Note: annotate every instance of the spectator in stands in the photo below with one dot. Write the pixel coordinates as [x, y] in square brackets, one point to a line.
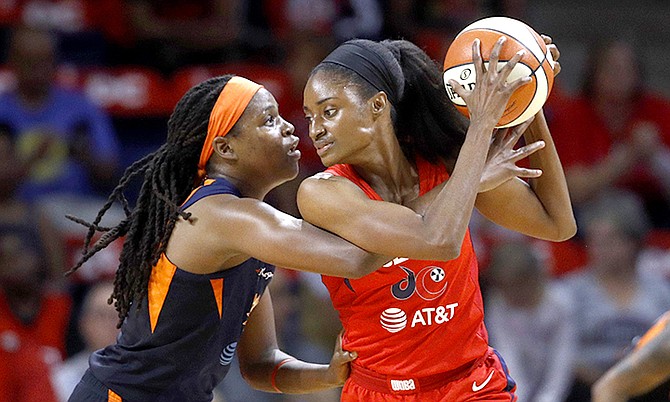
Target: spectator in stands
[432, 24]
[530, 322]
[613, 301]
[172, 34]
[339, 19]
[97, 325]
[69, 143]
[34, 309]
[89, 32]
[616, 133]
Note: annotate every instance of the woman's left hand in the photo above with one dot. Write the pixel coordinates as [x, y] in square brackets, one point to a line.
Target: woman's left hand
[502, 157]
[338, 370]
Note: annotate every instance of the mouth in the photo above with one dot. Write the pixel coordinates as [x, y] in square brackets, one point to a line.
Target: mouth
[293, 150]
[322, 145]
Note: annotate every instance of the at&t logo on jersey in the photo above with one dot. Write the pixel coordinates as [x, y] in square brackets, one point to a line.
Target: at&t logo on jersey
[227, 354]
[395, 320]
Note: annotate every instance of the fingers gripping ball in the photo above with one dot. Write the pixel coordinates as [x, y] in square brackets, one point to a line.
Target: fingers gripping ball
[536, 63]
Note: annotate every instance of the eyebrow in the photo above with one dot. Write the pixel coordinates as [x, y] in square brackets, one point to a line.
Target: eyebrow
[325, 99]
[319, 102]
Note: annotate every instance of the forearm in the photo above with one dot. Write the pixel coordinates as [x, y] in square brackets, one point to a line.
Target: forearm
[292, 377]
[449, 213]
[551, 187]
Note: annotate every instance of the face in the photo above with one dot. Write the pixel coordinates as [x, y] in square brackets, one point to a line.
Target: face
[618, 74]
[33, 60]
[20, 265]
[607, 246]
[340, 122]
[98, 320]
[264, 142]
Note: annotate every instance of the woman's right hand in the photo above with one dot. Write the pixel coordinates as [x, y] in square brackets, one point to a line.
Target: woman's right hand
[502, 157]
[488, 99]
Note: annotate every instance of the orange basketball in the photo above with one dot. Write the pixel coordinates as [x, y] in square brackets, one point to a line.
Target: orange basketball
[536, 63]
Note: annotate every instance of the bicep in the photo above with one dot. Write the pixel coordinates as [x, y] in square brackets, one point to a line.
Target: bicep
[270, 235]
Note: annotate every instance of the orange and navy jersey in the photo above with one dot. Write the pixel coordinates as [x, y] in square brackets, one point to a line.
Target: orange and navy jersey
[179, 344]
[412, 317]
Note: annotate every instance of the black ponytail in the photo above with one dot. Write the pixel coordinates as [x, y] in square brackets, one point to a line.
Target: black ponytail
[427, 122]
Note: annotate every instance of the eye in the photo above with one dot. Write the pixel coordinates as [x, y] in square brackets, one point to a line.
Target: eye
[330, 112]
[309, 118]
[270, 120]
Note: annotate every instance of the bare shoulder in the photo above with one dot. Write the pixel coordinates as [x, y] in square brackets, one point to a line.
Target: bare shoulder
[325, 185]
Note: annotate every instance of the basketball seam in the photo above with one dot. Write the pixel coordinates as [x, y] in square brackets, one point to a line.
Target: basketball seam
[513, 37]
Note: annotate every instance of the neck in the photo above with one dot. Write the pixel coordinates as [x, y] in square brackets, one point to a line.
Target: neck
[256, 188]
[386, 169]
[31, 98]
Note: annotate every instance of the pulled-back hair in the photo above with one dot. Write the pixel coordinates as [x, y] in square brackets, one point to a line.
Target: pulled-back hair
[425, 121]
[169, 177]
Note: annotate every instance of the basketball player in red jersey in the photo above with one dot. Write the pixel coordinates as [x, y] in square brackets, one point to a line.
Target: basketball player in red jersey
[404, 173]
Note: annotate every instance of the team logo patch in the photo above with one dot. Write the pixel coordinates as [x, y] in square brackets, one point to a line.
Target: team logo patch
[428, 284]
[227, 354]
[393, 320]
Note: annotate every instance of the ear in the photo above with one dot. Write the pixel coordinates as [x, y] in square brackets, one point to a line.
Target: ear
[379, 104]
[222, 147]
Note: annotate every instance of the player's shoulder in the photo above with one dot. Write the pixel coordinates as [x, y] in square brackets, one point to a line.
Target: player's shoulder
[326, 185]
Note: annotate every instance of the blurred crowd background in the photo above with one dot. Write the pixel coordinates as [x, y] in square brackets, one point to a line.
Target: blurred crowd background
[87, 86]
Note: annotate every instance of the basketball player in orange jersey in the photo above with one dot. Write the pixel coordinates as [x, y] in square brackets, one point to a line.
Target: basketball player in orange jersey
[405, 170]
[200, 249]
[647, 367]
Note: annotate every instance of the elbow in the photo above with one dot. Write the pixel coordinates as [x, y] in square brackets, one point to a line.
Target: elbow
[249, 376]
[365, 266]
[446, 251]
[565, 231]
[451, 252]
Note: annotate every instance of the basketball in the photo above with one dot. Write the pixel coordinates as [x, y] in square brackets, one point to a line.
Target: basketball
[536, 63]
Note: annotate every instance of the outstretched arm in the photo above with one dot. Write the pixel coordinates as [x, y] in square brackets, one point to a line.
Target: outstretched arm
[641, 371]
[267, 368]
[233, 229]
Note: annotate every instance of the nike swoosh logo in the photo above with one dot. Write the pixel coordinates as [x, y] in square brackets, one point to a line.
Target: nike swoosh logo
[476, 387]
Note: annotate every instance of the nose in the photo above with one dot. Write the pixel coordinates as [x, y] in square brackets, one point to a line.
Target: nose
[288, 128]
[315, 129]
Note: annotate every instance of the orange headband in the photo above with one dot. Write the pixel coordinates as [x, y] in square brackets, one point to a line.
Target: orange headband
[228, 108]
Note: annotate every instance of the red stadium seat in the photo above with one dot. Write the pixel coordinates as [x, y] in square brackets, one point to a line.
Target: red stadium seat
[128, 91]
[274, 79]
[9, 12]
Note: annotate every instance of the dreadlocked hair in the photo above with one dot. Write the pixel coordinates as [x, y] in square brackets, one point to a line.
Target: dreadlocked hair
[169, 176]
[425, 121]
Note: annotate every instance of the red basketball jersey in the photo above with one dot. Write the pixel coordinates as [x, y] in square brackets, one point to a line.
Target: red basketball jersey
[412, 317]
